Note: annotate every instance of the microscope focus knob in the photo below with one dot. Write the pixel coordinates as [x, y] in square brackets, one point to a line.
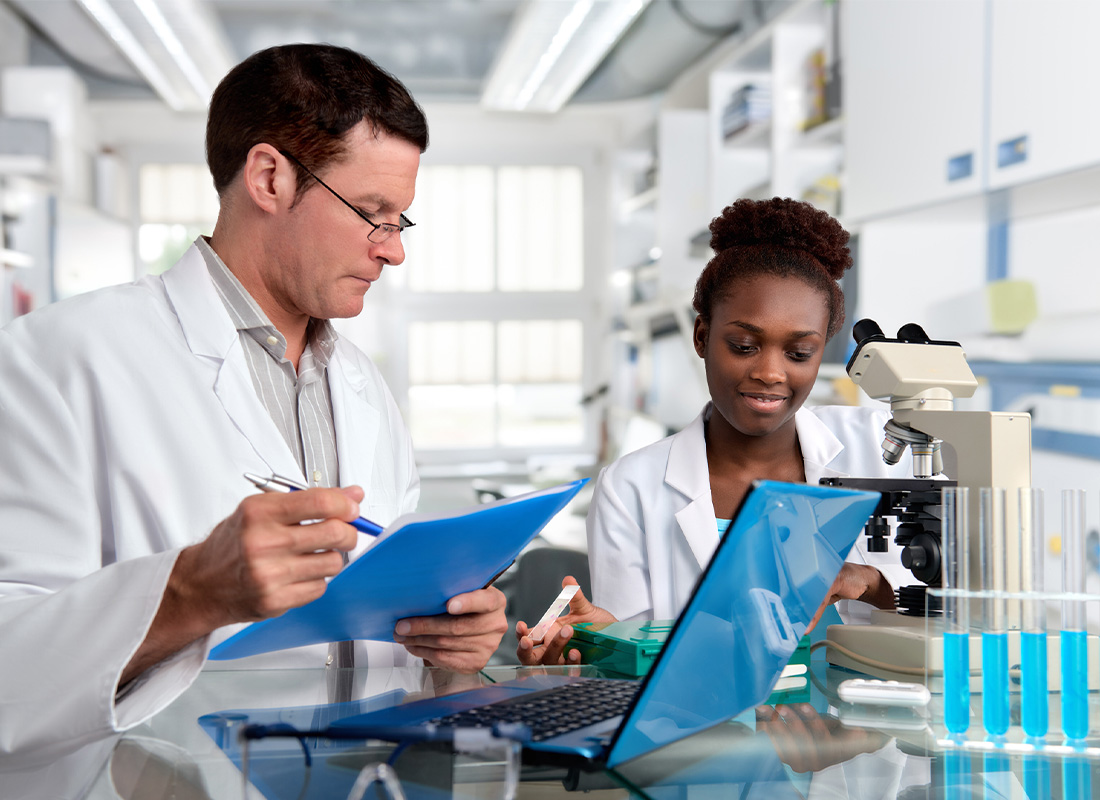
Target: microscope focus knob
[922, 557]
[914, 557]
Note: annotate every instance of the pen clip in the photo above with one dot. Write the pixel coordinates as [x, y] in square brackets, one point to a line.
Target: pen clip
[274, 480]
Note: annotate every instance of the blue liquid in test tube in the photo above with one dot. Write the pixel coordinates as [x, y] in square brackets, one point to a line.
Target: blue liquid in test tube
[1034, 697]
[995, 698]
[956, 681]
[956, 631]
[1033, 689]
[1075, 692]
[1075, 687]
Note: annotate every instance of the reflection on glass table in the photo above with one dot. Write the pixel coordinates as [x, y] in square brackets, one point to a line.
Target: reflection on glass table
[801, 748]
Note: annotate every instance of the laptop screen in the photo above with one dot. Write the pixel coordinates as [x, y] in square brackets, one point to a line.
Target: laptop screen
[750, 607]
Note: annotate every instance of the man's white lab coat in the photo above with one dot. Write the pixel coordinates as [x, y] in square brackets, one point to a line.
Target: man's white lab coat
[651, 525]
[128, 418]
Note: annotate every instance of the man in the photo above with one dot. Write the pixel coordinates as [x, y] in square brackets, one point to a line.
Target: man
[129, 416]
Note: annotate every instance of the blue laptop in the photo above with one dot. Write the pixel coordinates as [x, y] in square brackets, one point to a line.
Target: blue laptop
[745, 617]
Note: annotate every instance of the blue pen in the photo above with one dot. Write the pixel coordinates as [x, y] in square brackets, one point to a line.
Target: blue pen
[279, 484]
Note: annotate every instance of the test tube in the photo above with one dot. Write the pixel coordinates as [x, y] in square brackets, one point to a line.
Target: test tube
[1033, 634]
[954, 536]
[991, 527]
[1075, 659]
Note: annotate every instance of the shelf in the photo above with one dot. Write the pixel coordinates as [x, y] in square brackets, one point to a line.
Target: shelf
[825, 134]
[13, 258]
[755, 136]
[639, 201]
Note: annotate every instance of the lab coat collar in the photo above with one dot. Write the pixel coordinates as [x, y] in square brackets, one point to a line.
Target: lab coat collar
[687, 473]
[210, 334]
[196, 303]
[819, 445]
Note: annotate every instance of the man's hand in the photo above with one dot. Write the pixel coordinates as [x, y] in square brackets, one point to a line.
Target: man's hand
[463, 639]
[550, 651]
[857, 582]
[257, 563]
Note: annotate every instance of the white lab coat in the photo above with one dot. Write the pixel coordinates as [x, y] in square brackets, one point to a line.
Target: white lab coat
[128, 417]
[652, 528]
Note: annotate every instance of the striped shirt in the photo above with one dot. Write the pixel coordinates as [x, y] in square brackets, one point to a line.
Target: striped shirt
[299, 403]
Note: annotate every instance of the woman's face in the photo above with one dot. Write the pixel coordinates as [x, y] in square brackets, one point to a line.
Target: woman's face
[762, 350]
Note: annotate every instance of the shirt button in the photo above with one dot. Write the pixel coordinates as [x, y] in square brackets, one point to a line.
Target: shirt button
[316, 476]
[272, 340]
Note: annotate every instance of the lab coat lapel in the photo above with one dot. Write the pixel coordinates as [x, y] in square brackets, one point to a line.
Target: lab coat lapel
[211, 336]
[356, 421]
[688, 474]
[819, 445]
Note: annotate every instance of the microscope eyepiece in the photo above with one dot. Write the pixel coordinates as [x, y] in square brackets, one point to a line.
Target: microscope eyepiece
[866, 329]
[914, 333]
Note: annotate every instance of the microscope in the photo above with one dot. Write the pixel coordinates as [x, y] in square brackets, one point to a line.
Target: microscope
[921, 379]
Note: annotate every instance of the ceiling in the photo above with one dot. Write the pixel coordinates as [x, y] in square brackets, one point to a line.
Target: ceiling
[443, 50]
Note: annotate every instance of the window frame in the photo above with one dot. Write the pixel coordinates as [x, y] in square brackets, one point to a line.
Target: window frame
[408, 307]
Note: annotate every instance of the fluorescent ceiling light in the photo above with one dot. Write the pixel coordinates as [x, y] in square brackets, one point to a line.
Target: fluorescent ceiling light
[178, 46]
[553, 47]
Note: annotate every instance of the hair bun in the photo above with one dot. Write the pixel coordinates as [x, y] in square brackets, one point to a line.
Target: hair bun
[782, 222]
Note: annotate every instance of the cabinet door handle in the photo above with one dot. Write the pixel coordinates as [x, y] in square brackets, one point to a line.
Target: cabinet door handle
[1012, 151]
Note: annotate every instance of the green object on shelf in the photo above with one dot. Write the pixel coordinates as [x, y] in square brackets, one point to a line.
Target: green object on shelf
[624, 648]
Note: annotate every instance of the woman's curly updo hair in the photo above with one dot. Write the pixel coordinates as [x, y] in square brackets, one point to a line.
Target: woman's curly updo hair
[781, 237]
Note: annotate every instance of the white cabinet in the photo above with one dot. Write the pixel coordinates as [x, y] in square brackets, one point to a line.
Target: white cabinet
[1044, 83]
[949, 98]
[913, 102]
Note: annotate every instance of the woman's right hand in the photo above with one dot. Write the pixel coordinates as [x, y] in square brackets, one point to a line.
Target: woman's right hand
[551, 650]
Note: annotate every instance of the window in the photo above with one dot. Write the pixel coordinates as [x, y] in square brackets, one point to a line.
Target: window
[496, 338]
[178, 203]
[510, 229]
[512, 383]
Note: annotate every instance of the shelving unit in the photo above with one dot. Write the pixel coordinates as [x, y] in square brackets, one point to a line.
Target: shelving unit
[780, 157]
[700, 170]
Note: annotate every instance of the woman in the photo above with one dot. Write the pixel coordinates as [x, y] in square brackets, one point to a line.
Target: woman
[767, 303]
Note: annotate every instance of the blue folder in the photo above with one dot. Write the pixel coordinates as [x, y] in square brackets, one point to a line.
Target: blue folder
[418, 563]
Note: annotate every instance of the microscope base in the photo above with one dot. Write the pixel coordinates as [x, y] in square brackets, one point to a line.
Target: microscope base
[914, 643]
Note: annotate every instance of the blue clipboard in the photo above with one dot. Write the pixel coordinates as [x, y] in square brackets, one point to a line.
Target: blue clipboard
[418, 563]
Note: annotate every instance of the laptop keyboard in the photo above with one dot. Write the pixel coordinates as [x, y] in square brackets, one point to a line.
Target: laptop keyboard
[553, 712]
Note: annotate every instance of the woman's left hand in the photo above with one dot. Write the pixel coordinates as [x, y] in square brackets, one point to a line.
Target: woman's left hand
[857, 582]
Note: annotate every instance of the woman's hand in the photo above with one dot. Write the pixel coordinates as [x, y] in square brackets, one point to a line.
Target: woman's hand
[809, 742]
[550, 651]
[857, 582]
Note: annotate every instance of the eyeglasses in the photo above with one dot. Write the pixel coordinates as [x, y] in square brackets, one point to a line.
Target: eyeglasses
[382, 231]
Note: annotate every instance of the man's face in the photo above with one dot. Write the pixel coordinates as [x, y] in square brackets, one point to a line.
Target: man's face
[325, 261]
[762, 350]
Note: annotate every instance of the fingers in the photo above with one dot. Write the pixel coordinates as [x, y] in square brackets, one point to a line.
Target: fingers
[480, 601]
[817, 616]
[309, 504]
[261, 560]
[549, 652]
[462, 640]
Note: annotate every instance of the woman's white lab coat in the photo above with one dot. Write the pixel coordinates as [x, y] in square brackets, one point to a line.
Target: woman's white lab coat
[129, 417]
[652, 528]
